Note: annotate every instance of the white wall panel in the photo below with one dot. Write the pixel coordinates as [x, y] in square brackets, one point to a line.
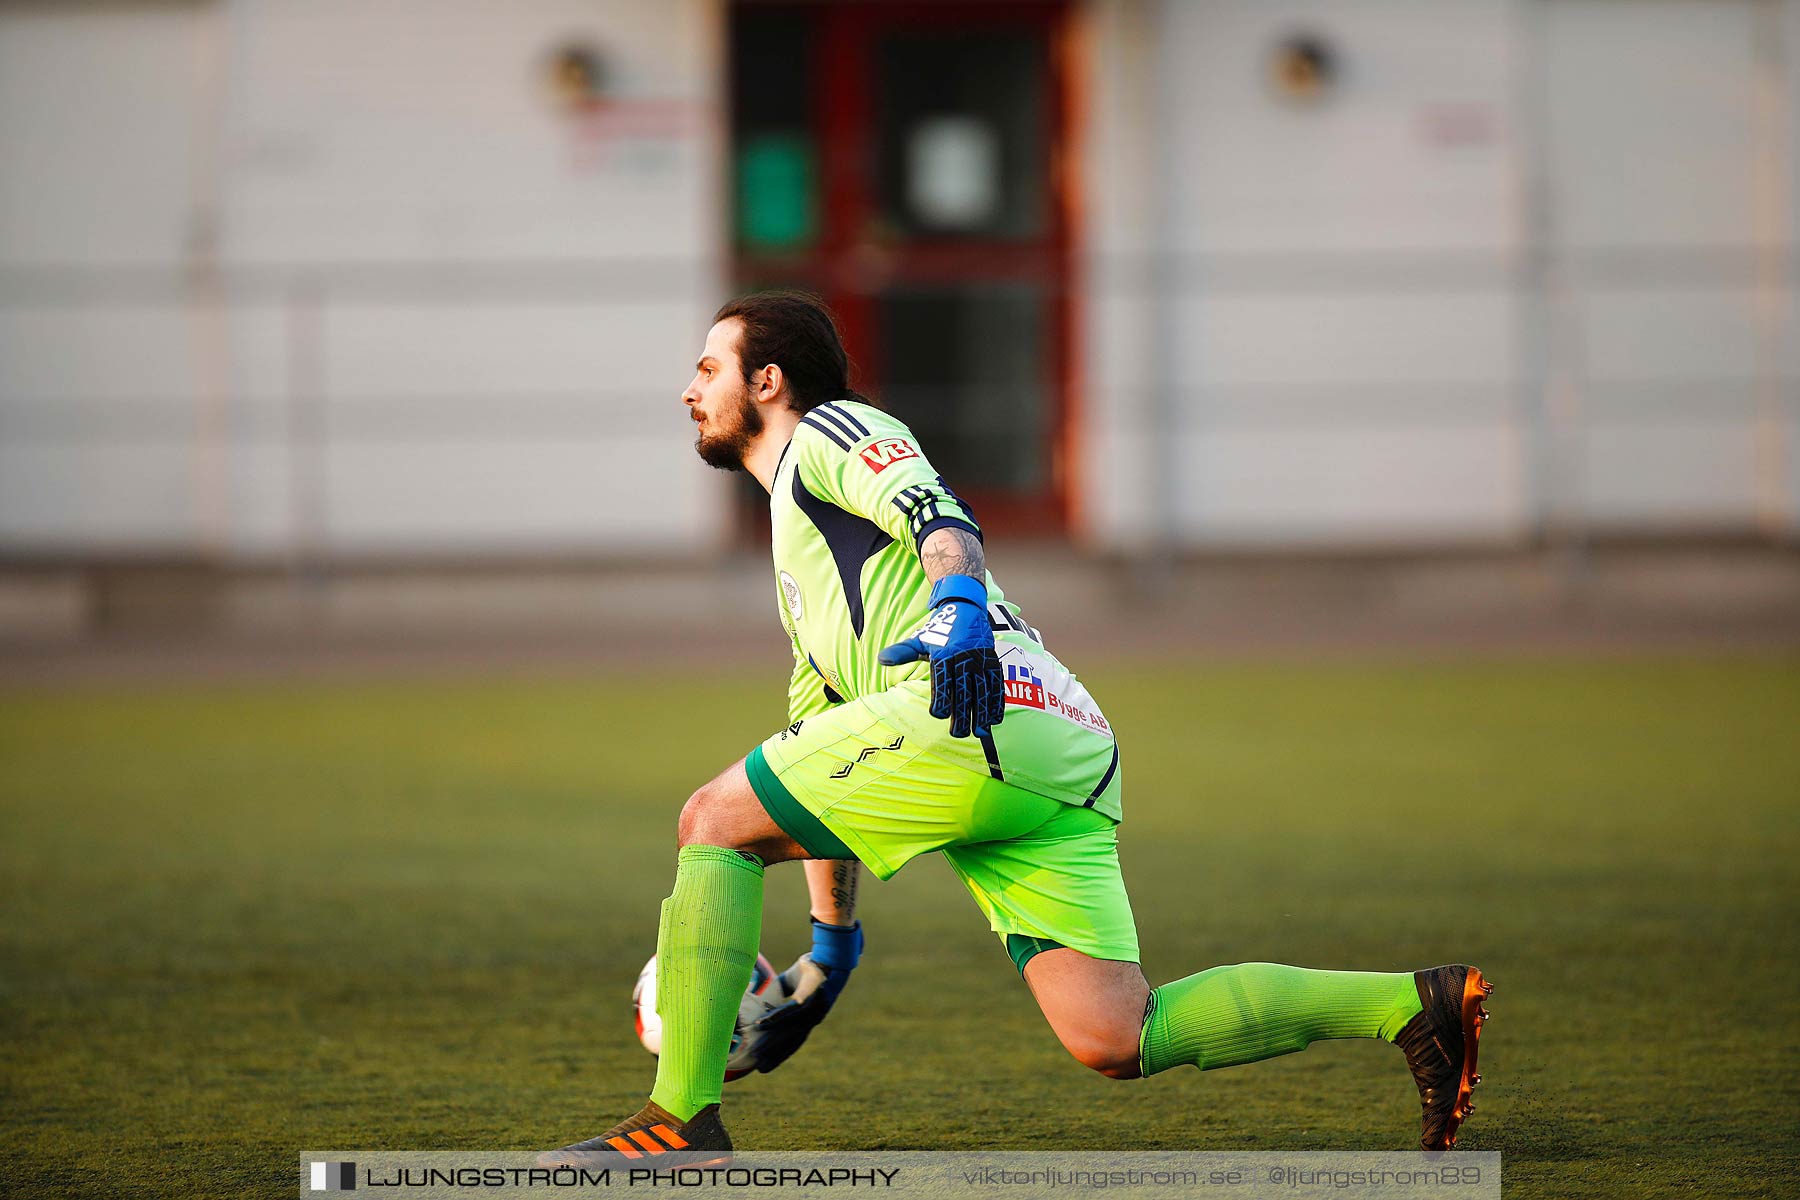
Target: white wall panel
[1349, 278]
[1346, 331]
[1652, 136]
[472, 412]
[265, 522]
[1365, 168]
[1353, 340]
[415, 245]
[113, 352]
[100, 131]
[262, 458]
[638, 494]
[421, 130]
[456, 297]
[1697, 472]
[1350, 486]
[608, 349]
[98, 422]
[1653, 335]
[112, 495]
[1117, 491]
[1660, 221]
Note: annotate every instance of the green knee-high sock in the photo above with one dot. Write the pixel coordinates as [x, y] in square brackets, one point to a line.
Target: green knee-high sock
[1232, 1015]
[705, 948]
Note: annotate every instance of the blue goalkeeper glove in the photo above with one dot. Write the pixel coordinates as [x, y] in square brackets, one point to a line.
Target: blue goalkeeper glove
[814, 982]
[966, 684]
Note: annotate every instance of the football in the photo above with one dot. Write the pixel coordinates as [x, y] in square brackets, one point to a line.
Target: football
[764, 993]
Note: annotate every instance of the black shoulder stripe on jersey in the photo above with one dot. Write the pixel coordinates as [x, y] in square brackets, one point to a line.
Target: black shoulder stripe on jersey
[919, 497]
[839, 419]
[846, 417]
[946, 522]
[919, 504]
[813, 420]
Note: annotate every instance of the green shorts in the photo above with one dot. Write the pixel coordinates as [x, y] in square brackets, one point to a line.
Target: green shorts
[845, 785]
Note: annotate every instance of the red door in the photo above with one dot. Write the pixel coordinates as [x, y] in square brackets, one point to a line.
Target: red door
[909, 162]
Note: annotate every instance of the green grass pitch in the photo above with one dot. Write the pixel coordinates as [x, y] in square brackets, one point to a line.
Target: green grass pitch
[240, 920]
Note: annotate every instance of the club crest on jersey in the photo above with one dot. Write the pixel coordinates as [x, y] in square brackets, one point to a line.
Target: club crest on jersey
[879, 456]
[790, 592]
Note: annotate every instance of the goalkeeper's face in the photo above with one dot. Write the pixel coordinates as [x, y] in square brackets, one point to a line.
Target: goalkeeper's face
[721, 403]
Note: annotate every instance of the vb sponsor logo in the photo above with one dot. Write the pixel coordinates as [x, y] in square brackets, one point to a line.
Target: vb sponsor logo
[333, 1177]
[879, 456]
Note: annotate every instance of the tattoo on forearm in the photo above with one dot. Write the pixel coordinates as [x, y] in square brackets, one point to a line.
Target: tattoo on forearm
[951, 551]
[844, 875]
[831, 889]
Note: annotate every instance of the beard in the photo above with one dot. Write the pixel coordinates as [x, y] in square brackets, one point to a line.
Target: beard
[737, 426]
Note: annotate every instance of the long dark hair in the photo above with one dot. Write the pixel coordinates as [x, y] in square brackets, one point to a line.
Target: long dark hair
[796, 332]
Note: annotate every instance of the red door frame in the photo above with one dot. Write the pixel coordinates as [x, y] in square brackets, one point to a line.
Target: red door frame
[845, 261]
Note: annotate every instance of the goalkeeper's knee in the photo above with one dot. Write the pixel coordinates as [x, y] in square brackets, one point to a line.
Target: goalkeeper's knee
[1111, 1048]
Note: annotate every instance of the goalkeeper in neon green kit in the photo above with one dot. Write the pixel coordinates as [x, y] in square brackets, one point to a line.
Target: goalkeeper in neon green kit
[927, 715]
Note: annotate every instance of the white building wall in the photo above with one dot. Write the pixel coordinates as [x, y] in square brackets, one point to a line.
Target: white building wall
[1783, 352]
[1339, 358]
[1118, 411]
[334, 277]
[101, 113]
[1528, 268]
[507, 303]
[435, 313]
[1662, 221]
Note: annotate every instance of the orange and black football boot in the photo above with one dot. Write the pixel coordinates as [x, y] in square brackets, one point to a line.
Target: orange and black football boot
[1440, 1045]
[653, 1134]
